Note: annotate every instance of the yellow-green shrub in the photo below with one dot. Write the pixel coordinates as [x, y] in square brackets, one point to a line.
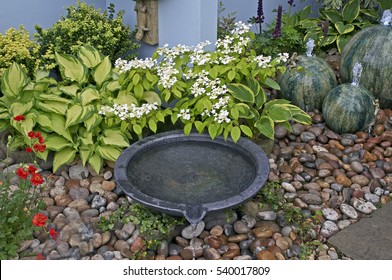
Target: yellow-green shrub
[16, 46]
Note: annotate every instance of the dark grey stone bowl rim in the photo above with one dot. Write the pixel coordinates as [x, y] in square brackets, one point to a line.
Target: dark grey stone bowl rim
[192, 212]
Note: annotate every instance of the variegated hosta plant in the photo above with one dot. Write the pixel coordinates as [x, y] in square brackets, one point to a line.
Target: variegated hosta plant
[66, 112]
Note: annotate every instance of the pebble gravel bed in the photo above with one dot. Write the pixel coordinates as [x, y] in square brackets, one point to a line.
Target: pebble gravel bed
[344, 177]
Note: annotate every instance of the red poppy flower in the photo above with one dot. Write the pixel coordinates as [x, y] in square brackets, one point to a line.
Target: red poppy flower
[39, 220]
[32, 169]
[54, 234]
[36, 179]
[22, 173]
[31, 134]
[19, 118]
[41, 140]
[28, 150]
[40, 257]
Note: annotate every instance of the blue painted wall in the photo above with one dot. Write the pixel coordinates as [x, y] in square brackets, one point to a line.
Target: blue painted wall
[180, 21]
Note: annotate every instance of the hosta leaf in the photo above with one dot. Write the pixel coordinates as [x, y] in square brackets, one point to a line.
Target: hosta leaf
[241, 92]
[17, 108]
[351, 10]
[103, 71]
[52, 107]
[344, 28]
[90, 56]
[85, 154]
[88, 95]
[109, 152]
[73, 115]
[58, 126]
[56, 142]
[71, 68]
[13, 80]
[44, 121]
[52, 97]
[96, 162]
[279, 113]
[92, 121]
[114, 137]
[62, 157]
[70, 90]
[266, 126]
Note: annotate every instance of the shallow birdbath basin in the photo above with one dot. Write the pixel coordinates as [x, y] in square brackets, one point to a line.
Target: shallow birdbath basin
[191, 175]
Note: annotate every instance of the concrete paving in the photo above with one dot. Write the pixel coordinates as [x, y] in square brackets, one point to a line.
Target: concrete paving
[368, 239]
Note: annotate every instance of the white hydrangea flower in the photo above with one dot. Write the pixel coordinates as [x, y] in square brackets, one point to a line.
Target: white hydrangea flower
[185, 114]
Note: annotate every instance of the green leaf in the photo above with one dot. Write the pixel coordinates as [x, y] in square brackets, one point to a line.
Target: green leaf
[160, 116]
[114, 137]
[52, 107]
[254, 85]
[96, 162]
[344, 28]
[271, 83]
[273, 102]
[137, 128]
[62, 157]
[174, 118]
[187, 128]
[90, 56]
[260, 99]
[351, 10]
[73, 115]
[58, 126]
[279, 113]
[200, 126]
[385, 4]
[302, 118]
[70, 90]
[17, 108]
[103, 71]
[213, 130]
[136, 79]
[152, 97]
[71, 67]
[45, 122]
[13, 80]
[234, 113]
[342, 41]
[241, 92]
[266, 126]
[109, 152]
[235, 133]
[246, 130]
[231, 75]
[332, 15]
[85, 154]
[52, 97]
[139, 91]
[56, 142]
[152, 125]
[88, 95]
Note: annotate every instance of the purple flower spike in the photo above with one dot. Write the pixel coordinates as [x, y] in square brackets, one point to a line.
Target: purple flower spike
[278, 28]
[260, 12]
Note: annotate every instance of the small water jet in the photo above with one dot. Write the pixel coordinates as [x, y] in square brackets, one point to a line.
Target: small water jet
[191, 175]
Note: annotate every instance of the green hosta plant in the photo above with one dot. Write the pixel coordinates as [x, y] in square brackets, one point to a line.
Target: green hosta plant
[66, 112]
[335, 27]
[222, 91]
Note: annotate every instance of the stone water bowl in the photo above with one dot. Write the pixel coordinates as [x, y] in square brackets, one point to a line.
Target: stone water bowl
[191, 175]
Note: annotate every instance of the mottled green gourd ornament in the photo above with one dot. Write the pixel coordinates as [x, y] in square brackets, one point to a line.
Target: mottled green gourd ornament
[349, 108]
[308, 85]
[372, 47]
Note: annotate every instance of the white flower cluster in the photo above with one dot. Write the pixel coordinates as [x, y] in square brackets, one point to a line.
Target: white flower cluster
[236, 43]
[282, 57]
[204, 85]
[199, 56]
[219, 111]
[167, 74]
[263, 61]
[125, 65]
[169, 54]
[184, 113]
[129, 112]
